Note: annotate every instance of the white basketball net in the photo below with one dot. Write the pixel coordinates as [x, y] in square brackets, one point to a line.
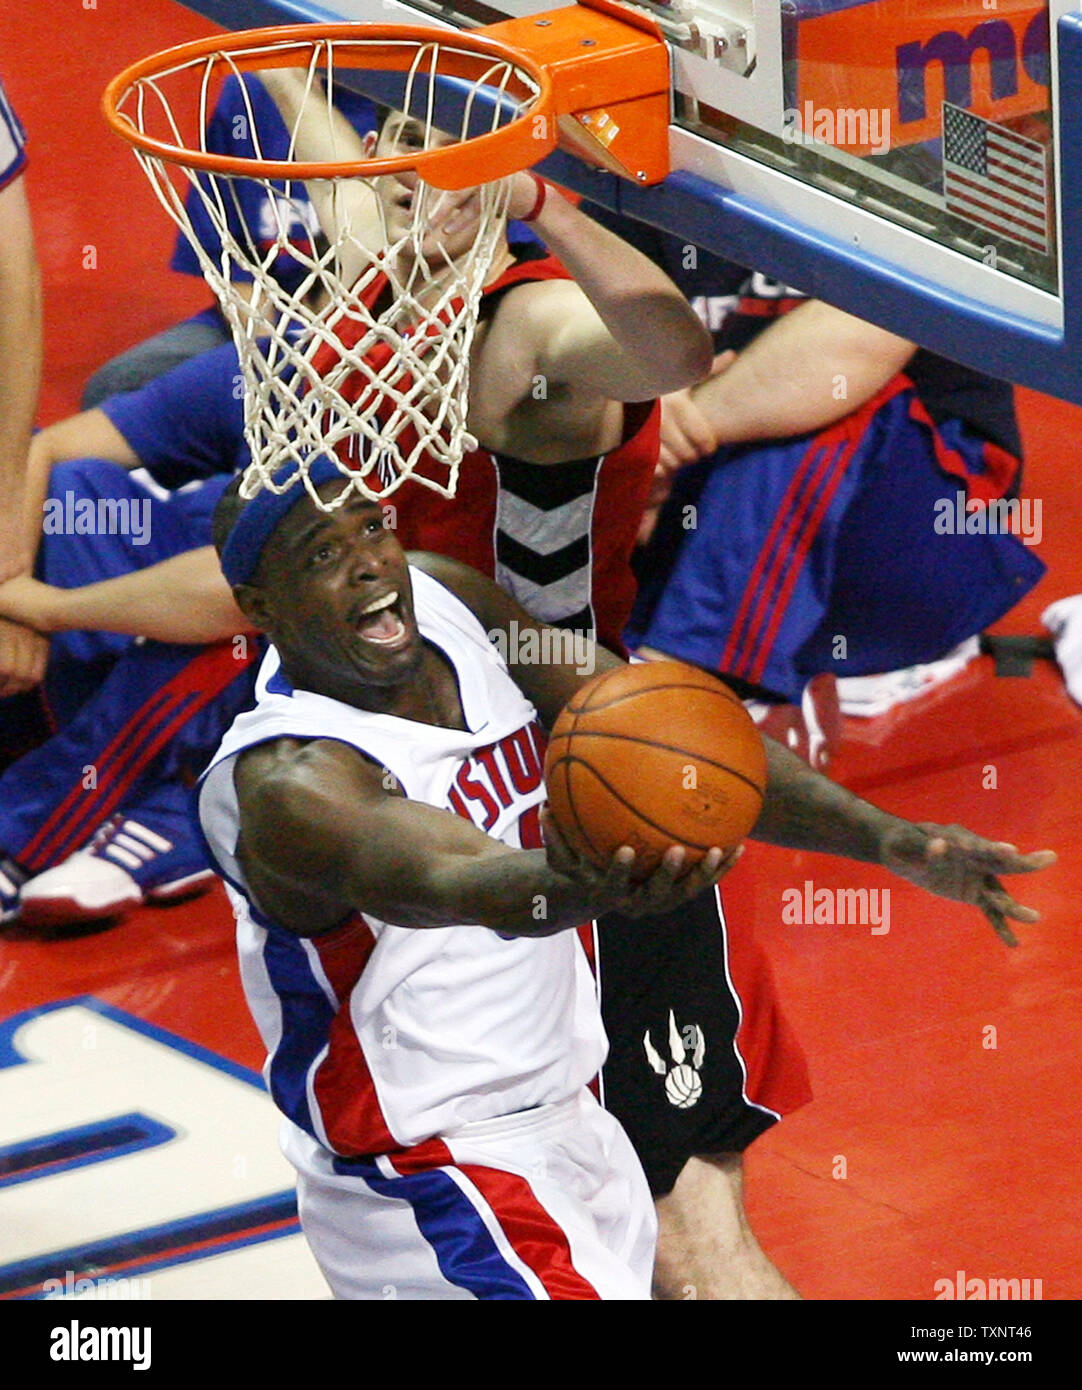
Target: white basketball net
[366, 360]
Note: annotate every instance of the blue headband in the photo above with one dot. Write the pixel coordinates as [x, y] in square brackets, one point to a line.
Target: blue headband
[260, 518]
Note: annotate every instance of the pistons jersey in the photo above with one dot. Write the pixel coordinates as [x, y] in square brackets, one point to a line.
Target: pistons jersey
[380, 1037]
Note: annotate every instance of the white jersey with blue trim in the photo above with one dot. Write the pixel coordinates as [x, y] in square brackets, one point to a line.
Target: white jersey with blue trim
[378, 1036]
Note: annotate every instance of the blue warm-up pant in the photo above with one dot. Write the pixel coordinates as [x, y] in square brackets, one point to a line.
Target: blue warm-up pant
[136, 721]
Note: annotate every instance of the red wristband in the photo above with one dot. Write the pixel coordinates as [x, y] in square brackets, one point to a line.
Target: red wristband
[539, 202]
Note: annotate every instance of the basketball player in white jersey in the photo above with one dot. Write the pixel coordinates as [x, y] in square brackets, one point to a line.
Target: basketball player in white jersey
[431, 1025]
[809, 802]
[433, 1081]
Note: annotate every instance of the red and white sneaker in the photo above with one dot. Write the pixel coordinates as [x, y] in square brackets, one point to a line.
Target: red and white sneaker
[813, 729]
[126, 864]
[866, 697]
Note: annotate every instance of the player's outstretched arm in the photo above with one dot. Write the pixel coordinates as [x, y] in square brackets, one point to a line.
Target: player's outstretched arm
[324, 832]
[320, 133]
[805, 810]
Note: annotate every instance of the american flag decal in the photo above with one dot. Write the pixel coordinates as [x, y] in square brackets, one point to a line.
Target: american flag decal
[995, 178]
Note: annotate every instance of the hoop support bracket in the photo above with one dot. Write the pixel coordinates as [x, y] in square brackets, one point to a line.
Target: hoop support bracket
[610, 71]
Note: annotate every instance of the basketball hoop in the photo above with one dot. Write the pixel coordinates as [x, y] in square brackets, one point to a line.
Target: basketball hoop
[364, 358]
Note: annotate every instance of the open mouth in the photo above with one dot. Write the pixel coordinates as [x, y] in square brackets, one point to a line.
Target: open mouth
[381, 622]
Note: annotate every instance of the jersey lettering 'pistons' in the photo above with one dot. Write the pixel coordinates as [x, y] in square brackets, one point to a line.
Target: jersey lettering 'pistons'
[379, 1036]
[489, 781]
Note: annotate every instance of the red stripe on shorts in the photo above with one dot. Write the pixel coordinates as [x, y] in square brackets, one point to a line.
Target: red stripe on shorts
[794, 563]
[755, 603]
[538, 1240]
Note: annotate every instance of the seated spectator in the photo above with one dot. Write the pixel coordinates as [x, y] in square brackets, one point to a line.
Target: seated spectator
[814, 484]
[97, 815]
[241, 109]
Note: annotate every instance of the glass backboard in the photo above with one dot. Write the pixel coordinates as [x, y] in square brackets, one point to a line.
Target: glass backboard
[907, 160]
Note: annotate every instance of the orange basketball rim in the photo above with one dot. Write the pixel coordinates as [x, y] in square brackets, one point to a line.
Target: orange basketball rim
[593, 78]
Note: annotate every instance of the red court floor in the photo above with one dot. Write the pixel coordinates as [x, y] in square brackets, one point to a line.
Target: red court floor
[944, 1133]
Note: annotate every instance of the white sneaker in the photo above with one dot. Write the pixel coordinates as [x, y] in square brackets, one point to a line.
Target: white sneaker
[124, 865]
[864, 697]
[812, 729]
[81, 889]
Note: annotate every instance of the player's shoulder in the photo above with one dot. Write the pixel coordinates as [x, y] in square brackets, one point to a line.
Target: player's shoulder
[468, 585]
[280, 775]
[286, 757]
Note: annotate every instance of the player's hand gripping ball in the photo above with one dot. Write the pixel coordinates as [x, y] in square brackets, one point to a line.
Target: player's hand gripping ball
[654, 755]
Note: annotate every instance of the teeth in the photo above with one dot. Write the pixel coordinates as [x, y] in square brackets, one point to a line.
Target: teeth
[380, 603]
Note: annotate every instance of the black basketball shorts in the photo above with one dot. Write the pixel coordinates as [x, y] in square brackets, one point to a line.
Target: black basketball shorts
[701, 1060]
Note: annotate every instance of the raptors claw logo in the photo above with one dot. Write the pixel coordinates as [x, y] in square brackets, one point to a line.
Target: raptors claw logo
[683, 1084]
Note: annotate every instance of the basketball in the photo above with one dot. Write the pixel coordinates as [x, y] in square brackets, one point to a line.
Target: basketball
[653, 755]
